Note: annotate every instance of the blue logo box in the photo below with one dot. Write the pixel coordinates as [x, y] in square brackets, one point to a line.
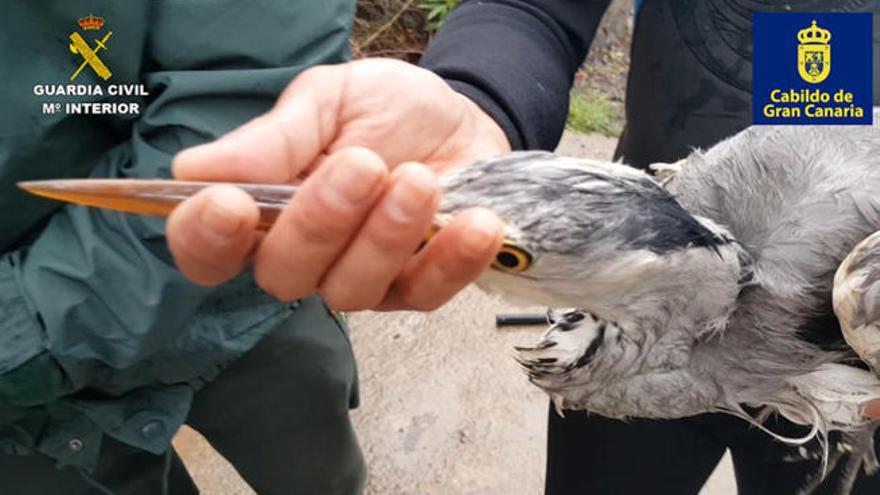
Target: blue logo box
[812, 68]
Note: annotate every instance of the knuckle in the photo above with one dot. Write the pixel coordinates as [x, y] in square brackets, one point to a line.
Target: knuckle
[278, 291]
[344, 296]
[180, 249]
[427, 305]
[317, 224]
[470, 264]
[468, 260]
[388, 240]
[347, 300]
[417, 301]
[276, 286]
[312, 76]
[205, 269]
[205, 272]
[206, 278]
[333, 300]
[415, 75]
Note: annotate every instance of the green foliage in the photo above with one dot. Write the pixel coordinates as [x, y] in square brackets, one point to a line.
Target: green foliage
[436, 12]
[593, 113]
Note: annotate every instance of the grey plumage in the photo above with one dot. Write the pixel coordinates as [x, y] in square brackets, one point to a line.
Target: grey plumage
[694, 296]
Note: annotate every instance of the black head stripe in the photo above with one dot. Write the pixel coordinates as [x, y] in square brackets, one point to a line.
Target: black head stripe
[590, 353]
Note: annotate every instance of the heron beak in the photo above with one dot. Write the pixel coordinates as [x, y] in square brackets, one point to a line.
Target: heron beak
[158, 197]
[152, 197]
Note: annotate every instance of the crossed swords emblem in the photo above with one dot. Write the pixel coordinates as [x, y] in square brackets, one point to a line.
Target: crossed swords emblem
[89, 55]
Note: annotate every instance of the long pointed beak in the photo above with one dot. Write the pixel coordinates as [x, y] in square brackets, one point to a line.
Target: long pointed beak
[153, 197]
[159, 197]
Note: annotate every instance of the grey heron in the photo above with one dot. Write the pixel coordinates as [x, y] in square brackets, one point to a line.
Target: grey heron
[695, 294]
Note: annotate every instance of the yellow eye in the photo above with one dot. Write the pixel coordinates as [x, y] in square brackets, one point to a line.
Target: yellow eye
[512, 259]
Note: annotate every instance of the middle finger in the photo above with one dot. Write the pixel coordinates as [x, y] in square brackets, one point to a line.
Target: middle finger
[319, 222]
[390, 236]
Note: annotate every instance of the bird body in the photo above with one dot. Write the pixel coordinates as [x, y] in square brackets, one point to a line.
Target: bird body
[700, 294]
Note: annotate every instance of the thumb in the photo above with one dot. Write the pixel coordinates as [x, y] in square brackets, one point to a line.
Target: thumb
[277, 146]
[872, 410]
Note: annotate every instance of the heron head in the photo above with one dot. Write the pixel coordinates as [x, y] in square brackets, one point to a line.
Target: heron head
[575, 226]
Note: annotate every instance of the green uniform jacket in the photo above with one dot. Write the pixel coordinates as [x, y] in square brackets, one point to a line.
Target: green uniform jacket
[99, 333]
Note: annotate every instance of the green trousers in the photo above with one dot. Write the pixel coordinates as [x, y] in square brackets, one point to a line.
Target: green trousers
[279, 415]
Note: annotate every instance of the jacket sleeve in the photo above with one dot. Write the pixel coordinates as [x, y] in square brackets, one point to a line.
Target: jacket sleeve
[516, 59]
[97, 291]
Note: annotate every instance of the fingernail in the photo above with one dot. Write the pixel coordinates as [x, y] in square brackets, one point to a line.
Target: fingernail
[350, 184]
[481, 232]
[221, 219]
[413, 192]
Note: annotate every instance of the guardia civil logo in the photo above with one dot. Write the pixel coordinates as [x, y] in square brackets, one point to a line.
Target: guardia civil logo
[793, 78]
[82, 86]
[814, 54]
[89, 54]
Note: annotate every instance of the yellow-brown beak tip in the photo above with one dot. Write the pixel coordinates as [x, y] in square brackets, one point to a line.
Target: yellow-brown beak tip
[45, 188]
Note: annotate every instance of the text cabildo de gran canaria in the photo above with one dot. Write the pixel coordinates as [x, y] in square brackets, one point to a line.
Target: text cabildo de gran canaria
[819, 104]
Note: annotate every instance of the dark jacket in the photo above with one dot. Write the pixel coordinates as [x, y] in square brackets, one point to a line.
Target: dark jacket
[99, 333]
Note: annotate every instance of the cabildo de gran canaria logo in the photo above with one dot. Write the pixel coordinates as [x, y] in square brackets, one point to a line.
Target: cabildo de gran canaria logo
[814, 54]
[86, 91]
[794, 80]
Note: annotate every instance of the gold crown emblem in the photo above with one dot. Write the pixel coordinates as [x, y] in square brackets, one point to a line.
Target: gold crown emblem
[814, 34]
[90, 22]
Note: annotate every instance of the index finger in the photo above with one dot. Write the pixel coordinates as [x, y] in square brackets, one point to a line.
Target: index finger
[277, 146]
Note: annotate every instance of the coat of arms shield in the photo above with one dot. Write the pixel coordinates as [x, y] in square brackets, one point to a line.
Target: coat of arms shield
[814, 62]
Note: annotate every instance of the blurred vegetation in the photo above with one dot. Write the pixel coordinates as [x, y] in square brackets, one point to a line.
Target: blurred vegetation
[590, 112]
[397, 28]
[389, 28]
[402, 29]
[436, 12]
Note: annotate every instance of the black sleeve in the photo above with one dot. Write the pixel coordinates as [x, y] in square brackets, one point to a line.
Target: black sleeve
[516, 59]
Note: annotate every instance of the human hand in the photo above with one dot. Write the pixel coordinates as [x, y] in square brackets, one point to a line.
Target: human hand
[872, 410]
[352, 230]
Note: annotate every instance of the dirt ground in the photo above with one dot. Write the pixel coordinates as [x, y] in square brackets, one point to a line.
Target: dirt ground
[604, 71]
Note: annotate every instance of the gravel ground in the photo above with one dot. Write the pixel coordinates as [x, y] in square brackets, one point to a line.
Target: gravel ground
[444, 408]
[605, 70]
